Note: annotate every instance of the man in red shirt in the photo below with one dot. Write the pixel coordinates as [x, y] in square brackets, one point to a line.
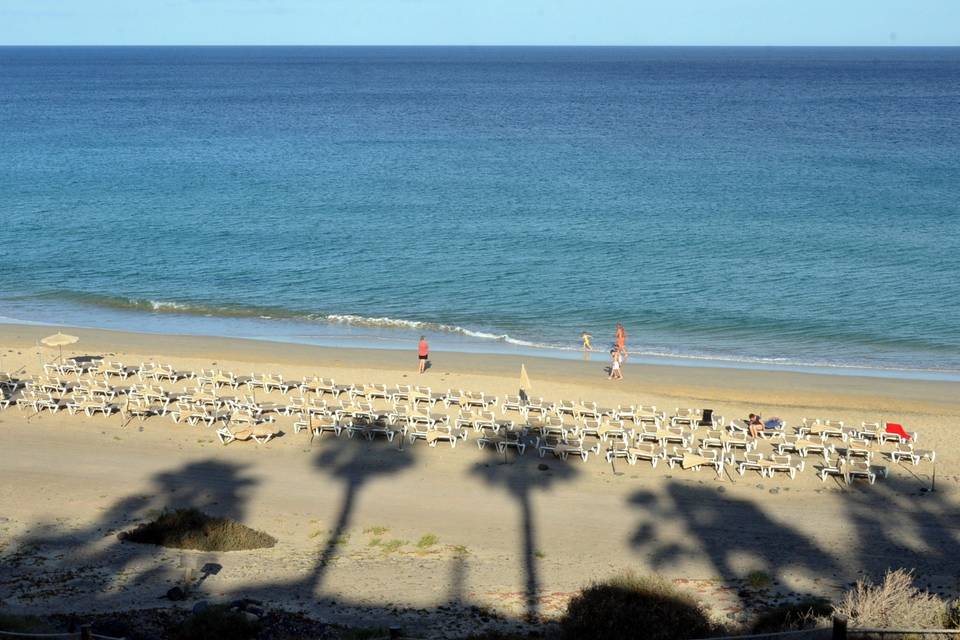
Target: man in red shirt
[423, 351]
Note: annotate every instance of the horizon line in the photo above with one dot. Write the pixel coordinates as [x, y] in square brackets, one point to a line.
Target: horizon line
[506, 46]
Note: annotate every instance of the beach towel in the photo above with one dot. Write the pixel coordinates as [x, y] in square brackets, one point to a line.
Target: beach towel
[893, 427]
[773, 423]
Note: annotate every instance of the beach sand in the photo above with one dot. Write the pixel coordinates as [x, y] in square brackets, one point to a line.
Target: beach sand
[512, 540]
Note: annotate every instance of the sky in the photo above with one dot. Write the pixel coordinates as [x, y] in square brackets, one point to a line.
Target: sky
[480, 22]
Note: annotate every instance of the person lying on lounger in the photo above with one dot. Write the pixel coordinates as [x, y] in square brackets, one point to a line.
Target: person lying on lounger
[755, 424]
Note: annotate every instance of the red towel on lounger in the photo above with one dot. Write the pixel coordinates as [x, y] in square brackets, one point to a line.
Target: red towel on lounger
[893, 427]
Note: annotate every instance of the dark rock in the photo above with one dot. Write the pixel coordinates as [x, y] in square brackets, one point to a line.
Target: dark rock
[721, 489]
[542, 467]
[176, 594]
[200, 607]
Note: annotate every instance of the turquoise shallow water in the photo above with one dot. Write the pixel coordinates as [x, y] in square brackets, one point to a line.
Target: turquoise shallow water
[751, 206]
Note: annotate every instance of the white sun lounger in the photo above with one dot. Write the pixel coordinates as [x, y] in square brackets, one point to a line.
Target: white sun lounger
[915, 456]
[644, 451]
[783, 464]
[859, 468]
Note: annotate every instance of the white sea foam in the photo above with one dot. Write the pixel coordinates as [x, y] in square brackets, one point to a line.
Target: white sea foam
[160, 305]
[435, 327]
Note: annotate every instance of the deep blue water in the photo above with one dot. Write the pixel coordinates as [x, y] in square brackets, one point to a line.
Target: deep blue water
[754, 205]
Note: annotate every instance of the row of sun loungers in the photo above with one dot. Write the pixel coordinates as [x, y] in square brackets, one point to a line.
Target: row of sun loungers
[692, 438]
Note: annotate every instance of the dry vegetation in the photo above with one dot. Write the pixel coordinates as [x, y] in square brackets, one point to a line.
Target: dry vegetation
[807, 614]
[629, 604]
[893, 603]
[193, 529]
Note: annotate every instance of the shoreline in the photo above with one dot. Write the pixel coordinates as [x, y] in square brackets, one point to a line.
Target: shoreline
[361, 338]
[786, 389]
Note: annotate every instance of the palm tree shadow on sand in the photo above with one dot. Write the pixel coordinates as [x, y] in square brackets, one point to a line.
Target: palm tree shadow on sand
[889, 525]
[353, 463]
[84, 565]
[521, 480]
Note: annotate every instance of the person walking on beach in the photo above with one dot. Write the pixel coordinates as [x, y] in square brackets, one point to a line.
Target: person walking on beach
[423, 352]
[615, 373]
[621, 340]
[586, 338]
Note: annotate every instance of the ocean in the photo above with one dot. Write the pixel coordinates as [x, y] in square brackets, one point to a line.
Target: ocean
[755, 207]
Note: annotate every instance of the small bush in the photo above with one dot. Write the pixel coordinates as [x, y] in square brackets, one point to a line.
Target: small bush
[393, 545]
[894, 603]
[427, 541]
[806, 614]
[340, 541]
[377, 531]
[215, 622]
[951, 617]
[193, 529]
[24, 624]
[758, 580]
[631, 606]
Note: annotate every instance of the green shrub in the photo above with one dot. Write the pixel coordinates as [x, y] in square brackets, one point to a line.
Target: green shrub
[392, 545]
[427, 541]
[759, 580]
[806, 614]
[377, 531]
[215, 622]
[631, 606]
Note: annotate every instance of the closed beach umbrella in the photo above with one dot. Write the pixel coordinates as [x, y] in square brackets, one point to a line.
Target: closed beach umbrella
[524, 381]
[58, 340]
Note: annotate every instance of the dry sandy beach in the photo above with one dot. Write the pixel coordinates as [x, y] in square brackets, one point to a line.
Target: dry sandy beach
[511, 539]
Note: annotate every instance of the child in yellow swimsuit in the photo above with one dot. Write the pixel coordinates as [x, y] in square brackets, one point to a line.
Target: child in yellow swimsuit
[586, 337]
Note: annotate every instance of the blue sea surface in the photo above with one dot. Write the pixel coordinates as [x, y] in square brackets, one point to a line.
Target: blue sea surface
[753, 206]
